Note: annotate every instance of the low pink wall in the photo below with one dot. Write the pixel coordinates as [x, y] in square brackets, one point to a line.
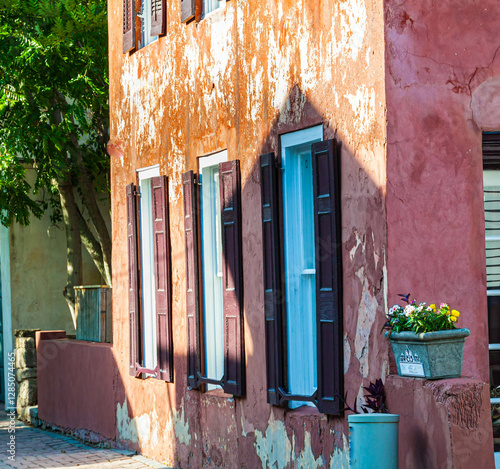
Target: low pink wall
[443, 424]
[75, 385]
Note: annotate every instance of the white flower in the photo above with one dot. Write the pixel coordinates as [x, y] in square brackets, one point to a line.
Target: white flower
[409, 309]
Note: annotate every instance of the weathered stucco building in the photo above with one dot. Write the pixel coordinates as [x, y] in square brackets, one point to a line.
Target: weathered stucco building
[281, 285]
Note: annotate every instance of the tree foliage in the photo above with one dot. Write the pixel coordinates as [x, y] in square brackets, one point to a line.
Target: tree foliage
[54, 118]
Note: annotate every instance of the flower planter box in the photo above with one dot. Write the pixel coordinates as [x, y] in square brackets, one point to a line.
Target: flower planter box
[431, 355]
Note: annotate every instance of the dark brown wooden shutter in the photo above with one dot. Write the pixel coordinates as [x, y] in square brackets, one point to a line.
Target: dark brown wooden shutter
[128, 25]
[192, 286]
[272, 284]
[158, 17]
[187, 10]
[133, 277]
[162, 265]
[328, 253]
[232, 278]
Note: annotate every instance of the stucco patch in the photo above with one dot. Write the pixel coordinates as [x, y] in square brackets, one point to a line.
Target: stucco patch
[181, 425]
[363, 107]
[353, 18]
[340, 457]
[306, 458]
[127, 430]
[347, 353]
[366, 318]
[273, 447]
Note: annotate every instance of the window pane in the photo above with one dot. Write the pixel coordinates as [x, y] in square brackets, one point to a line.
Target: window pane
[211, 5]
[300, 274]
[148, 276]
[212, 272]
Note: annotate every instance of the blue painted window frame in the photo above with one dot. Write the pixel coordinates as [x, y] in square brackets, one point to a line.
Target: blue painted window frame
[299, 261]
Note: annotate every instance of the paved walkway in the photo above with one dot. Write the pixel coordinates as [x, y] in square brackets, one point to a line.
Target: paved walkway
[36, 448]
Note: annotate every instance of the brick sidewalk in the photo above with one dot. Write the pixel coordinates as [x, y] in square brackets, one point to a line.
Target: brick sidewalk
[35, 448]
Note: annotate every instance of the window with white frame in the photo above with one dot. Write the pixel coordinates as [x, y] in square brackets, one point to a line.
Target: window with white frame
[211, 261]
[214, 305]
[211, 5]
[150, 315]
[145, 15]
[153, 16]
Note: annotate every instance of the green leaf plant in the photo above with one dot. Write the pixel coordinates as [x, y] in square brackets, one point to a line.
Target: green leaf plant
[54, 121]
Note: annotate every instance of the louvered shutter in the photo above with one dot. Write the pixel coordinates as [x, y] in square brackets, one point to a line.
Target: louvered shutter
[158, 17]
[133, 278]
[128, 25]
[272, 286]
[187, 10]
[328, 253]
[162, 263]
[232, 290]
[192, 286]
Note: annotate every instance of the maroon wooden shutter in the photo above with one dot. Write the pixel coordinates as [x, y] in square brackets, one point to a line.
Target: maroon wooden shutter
[128, 25]
[328, 253]
[232, 289]
[187, 10]
[158, 17]
[192, 287]
[272, 284]
[133, 277]
[162, 263]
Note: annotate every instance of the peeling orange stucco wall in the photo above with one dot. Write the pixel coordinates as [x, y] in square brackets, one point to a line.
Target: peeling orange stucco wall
[236, 80]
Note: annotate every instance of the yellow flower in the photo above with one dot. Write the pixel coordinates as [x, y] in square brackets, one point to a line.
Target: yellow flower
[453, 318]
[433, 307]
[455, 313]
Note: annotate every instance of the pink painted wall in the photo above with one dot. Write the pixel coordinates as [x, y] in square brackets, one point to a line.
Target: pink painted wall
[443, 424]
[438, 53]
[76, 386]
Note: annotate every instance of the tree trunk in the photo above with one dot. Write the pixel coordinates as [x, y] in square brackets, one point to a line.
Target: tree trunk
[73, 243]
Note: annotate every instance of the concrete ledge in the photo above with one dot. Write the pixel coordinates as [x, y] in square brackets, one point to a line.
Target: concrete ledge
[443, 423]
[75, 387]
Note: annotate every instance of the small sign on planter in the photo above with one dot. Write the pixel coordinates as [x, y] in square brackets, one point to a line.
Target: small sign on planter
[430, 355]
[410, 364]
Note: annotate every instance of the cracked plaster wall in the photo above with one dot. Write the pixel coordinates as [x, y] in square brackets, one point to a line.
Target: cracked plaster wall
[442, 65]
[237, 80]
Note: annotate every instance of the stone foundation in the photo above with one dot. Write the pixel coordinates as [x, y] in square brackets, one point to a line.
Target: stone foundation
[26, 372]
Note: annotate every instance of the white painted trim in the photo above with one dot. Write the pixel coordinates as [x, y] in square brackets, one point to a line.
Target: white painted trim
[211, 160]
[301, 136]
[492, 292]
[221, 6]
[6, 307]
[148, 172]
[494, 347]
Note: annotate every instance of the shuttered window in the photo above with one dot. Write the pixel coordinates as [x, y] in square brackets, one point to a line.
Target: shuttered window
[153, 20]
[151, 350]
[302, 272]
[214, 305]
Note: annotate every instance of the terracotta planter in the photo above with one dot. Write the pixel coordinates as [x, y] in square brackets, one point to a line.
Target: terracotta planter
[431, 355]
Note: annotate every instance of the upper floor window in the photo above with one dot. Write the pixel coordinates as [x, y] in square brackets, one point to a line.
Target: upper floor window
[153, 15]
[212, 5]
